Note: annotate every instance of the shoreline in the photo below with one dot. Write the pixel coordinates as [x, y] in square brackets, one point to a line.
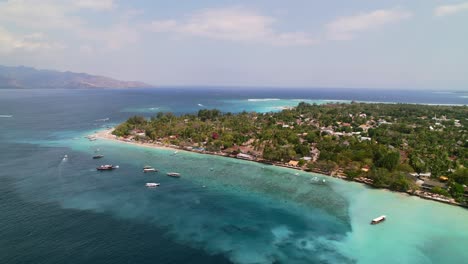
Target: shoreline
[106, 134]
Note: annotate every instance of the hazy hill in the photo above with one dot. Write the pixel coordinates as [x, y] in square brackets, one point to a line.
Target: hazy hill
[27, 77]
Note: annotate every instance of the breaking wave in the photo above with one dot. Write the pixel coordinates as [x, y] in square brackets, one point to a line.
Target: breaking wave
[263, 99]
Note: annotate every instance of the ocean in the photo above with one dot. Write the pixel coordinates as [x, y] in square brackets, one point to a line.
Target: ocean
[61, 210]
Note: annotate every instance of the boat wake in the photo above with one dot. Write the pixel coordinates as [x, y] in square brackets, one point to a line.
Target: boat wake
[6, 116]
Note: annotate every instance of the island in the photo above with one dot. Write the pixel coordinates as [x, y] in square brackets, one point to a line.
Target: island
[418, 149]
[22, 77]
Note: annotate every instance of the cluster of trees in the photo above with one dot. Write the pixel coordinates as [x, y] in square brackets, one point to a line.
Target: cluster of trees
[404, 138]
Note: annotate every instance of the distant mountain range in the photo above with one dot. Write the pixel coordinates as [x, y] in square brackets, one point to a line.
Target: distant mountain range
[27, 77]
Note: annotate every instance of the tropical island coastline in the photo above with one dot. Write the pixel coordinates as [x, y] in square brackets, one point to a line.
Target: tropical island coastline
[356, 142]
[106, 134]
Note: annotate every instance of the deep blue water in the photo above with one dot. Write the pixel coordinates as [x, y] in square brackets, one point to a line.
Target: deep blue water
[220, 211]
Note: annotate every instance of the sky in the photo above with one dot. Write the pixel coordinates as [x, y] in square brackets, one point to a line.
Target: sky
[392, 44]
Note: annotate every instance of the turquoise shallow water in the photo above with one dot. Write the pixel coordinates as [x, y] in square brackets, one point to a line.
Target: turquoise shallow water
[220, 211]
[417, 231]
[249, 212]
[260, 214]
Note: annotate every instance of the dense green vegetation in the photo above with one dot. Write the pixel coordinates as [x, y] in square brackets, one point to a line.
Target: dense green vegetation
[383, 142]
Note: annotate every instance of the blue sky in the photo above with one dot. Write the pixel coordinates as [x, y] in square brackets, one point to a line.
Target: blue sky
[420, 44]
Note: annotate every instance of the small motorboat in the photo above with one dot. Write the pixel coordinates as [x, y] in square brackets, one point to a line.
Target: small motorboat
[106, 167]
[378, 220]
[91, 138]
[149, 170]
[98, 156]
[173, 174]
[152, 184]
[317, 180]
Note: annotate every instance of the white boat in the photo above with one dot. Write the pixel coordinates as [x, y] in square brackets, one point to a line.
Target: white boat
[316, 179]
[378, 220]
[152, 184]
[107, 167]
[173, 174]
[149, 170]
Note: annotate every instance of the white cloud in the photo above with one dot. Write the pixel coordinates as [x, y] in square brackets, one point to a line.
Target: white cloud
[95, 4]
[64, 15]
[26, 43]
[164, 25]
[345, 28]
[446, 10]
[86, 49]
[48, 14]
[112, 38]
[34, 14]
[235, 24]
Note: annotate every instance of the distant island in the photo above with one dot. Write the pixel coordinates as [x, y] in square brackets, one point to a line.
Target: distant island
[26, 77]
[419, 149]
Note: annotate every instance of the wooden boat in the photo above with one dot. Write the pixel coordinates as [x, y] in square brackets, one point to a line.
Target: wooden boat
[378, 220]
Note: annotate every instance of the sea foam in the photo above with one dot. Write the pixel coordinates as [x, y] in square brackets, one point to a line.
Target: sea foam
[263, 99]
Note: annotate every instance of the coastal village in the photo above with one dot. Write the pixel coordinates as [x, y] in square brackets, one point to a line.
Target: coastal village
[420, 150]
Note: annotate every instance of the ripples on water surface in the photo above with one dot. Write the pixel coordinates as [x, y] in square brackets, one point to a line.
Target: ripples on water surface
[220, 211]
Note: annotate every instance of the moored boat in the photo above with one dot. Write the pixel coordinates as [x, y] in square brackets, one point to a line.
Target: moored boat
[149, 169]
[152, 184]
[378, 220]
[173, 174]
[98, 156]
[106, 167]
[91, 138]
[317, 180]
